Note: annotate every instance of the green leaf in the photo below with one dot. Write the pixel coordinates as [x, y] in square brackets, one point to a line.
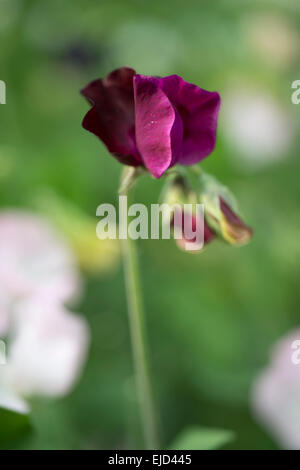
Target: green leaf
[199, 438]
[13, 425]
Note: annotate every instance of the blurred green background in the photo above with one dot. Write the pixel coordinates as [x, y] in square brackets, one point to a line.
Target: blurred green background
[213, 317]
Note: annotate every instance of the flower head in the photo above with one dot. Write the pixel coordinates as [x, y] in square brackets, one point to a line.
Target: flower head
[150, 121]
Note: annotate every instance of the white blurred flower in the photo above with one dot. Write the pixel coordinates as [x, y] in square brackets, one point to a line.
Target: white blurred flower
[276, 392]
[257, 126]
[46, 352]
[46, 344]
[34, 260]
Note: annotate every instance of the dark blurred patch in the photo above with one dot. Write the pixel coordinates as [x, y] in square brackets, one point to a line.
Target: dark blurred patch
[83, 55]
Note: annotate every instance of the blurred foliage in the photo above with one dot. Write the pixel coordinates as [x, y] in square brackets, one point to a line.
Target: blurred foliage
[79, 228]
[15, 427]
[202, 439]
[212, 317]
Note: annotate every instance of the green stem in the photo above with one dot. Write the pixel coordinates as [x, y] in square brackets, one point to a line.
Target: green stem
[197, 170]
[138, 340]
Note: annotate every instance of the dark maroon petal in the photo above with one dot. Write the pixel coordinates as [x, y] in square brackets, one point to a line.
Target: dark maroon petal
[208, 233]
[199, 111]
[229, 214]
[112, 116]
[158, 125]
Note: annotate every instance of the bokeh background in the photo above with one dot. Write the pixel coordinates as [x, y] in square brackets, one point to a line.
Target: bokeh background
[212, 318]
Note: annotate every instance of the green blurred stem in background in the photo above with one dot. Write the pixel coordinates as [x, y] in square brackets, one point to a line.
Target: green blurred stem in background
[137, 328]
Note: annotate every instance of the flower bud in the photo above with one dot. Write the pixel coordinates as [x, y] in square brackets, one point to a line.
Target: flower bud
[221, 211]
[183, 199]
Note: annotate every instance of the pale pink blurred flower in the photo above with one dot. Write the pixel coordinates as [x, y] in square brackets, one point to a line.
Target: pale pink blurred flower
[47, 350]
[276, 392]
[34, 260]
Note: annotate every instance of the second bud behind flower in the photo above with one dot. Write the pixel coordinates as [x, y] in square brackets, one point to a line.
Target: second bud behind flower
[221, 211]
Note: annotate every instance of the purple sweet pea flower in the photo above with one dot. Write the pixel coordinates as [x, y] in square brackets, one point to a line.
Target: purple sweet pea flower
[152, 122]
